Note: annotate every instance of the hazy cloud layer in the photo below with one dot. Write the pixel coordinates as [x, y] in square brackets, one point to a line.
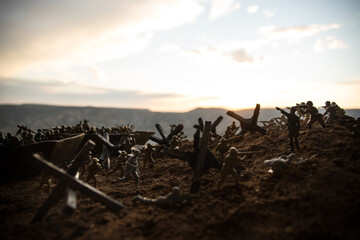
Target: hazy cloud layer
[245, 51]
[295, 33]
[20, 91]
[331, 43]
[83, 30]
[220, 54]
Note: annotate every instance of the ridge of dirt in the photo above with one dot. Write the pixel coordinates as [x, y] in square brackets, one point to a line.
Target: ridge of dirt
[317, 199]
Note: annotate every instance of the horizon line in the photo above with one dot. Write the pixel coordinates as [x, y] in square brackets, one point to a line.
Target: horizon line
[147, 109]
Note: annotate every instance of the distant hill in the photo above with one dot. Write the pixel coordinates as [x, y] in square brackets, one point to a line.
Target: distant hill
[45, 116]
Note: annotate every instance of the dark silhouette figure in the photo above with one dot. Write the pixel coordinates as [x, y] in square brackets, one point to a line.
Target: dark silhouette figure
[293, 127]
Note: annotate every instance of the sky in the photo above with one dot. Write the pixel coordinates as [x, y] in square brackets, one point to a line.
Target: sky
[177, 55]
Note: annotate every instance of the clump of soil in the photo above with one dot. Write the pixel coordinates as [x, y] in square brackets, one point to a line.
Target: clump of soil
[317, 199]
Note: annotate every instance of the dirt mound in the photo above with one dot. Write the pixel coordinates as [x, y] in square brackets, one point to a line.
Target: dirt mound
[317, 199]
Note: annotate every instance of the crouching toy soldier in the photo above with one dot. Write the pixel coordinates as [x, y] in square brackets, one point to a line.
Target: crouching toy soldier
[293, 127]
[173, 199]
[315, 116]
[228, 167]
[131, 168]
[93, 169]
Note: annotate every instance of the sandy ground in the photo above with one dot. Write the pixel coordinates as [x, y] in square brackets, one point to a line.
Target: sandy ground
[318, 199]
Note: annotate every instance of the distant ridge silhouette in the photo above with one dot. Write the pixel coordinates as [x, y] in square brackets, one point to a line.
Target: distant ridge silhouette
[37, 116]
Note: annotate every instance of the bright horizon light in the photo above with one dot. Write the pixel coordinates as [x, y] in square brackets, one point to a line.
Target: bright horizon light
[178, 55]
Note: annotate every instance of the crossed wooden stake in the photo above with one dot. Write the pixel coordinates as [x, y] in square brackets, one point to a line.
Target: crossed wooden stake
[248, 124]
[165, 140]
[200, 126]
[68, 179]
[200, 160]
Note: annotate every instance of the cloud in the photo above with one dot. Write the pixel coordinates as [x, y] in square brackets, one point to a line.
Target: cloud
[169, 47]
[240, 52]
[328, 43]
[268, 13]
[53, 92]
[334, 43]
[225, 54]
[352, 81]
[241, 56]
[253, 9]
[36, 31]
[95, 72]
[220, 8]
[295, 33]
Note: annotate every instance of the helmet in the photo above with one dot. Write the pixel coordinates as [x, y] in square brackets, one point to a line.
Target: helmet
[95, 160]
[309, 103]
[135, 151]
[233, 150]
[123, 152]
[176, 190]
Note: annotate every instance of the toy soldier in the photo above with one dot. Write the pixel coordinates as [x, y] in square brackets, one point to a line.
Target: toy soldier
[148, 151]
[181, 136]
[28, 138]
[330, 113]
[174, 142]
[222, 147]
[315, 116]
[339, 111]
[45, 179]
[40, 136]
[105, 154]
[85, 163]
[229, 132]
[280, 164]
[304, 117]
[121, 159]
[2, 140]
[173, 199]
[12, 140]
[293, 127]
[356, 129]
[86, 125]
[127, 141]
[228, 167]
[271, 125]
[93, 169]
[57, 135]
[233, 127]
[131, 166]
